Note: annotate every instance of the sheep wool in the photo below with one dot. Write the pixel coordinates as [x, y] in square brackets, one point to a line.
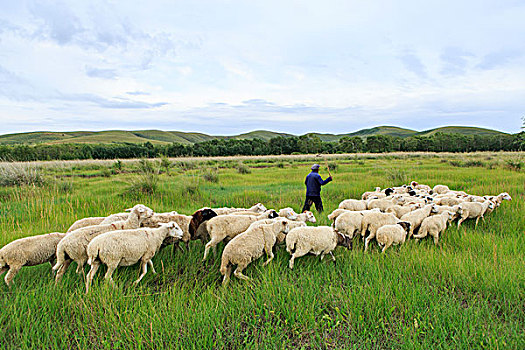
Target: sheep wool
[73, 246]
[28, 251]
[229, 226]
[389, 235]
[318, 240]
[250, 245]
[127, 247]
[435, 225]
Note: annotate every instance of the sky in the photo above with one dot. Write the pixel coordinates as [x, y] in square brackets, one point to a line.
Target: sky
[224, 67]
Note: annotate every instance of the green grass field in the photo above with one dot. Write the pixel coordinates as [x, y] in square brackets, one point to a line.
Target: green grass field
[469, 292]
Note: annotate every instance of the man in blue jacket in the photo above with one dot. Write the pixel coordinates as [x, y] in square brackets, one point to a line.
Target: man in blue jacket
[313, 184]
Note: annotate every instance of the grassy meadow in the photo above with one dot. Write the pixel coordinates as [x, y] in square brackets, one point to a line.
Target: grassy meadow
[469, 292]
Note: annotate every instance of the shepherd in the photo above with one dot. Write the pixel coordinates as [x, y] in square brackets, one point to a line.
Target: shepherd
[313, 184]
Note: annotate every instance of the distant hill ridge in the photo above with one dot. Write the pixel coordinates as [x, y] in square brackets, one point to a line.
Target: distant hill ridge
[164, 137]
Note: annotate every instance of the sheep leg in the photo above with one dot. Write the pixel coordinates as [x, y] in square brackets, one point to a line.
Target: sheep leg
[238, 273]
[109, 274]
[477, 219]
[209, 245]
[368, 239]
[94, 267]
[387, 245]
[80, 267]
[332, 255]
[292, 259]
[270, 258]
[13, 270]
[436, 237]
[226, 279]
[62, 270]
[144, 266]
[150, 263]
[3, 269]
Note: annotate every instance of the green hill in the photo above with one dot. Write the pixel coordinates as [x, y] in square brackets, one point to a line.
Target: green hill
[165, 137]
[112, 136]
[384, 130]
[259, 134]
[465, 130]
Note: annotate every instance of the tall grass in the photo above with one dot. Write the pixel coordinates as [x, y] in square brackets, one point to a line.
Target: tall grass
[466, 293]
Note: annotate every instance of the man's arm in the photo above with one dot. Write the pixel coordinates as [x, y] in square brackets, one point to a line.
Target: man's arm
[324, 182]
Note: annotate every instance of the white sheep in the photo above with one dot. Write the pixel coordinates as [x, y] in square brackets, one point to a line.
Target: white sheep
[291, 224]
[382, 204]
[257, 208]
[435, 225]
[376, 193]
[73, 246]
[86, 222]
[450, 201]
[318, 240]
[229, 226]
[353, 204]
[306, 216]
[349, 223]
[399, 210]
[373, 221]
[471, 210]
[127, 247]
[183, 221]
[114, 218]
[333, 215]
[288, 213]
[250, 245]
[389, 235]
[421, 187]
[28, 251]
[440, 189]
[417, 216]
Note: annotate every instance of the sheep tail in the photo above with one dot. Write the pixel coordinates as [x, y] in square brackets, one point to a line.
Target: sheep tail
[225, 261]
[61, 257]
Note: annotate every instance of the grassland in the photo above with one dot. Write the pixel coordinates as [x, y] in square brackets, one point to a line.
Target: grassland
[467, 293]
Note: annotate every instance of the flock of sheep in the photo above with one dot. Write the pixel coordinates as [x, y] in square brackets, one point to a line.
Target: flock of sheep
[390, 216]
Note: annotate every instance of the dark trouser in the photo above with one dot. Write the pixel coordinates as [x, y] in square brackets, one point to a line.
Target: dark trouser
[313, 199]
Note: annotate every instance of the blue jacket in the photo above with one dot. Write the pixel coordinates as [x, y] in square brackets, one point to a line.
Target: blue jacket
[314, 182]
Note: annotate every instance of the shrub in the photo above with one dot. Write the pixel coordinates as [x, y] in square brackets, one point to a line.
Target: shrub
[211, 176]
[243, 168]
[145, 184]
[146, 166]
[514, 164]
[165, 163]
[106, 172]
[332, 166]
[280, 165]
[18, 174]
[397, 176]
[65, 186]
[117, 166]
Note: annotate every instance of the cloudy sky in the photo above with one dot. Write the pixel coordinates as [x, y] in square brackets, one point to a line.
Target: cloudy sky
[225, 67]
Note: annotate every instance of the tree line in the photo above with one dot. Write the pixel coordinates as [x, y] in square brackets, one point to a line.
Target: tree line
[439, 142]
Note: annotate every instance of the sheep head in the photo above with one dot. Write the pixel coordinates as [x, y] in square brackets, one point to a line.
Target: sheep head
[405, 225]
[199, 217]
[343, 240]
[272, 214]
[310, 216]
[389, 191]
[173, 229]
[505, 196]
[259, 208]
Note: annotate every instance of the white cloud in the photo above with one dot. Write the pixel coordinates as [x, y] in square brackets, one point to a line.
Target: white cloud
[228, 66]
